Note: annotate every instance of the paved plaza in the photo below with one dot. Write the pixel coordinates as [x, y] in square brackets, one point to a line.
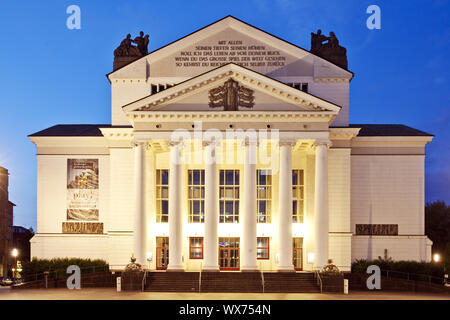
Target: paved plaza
[111, 294]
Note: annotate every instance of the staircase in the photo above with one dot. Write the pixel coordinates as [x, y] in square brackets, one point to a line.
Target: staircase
[172, 282]
[290, 282]
[231, 282]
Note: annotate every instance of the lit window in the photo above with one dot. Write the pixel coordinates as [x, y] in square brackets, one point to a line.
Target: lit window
[196, 248]
[162, 195]
[196, 195]
[262, 248]
[297, 196]
[263, 196]
[229, 196]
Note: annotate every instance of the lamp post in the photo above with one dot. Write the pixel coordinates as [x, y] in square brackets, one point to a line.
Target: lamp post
[15, 253]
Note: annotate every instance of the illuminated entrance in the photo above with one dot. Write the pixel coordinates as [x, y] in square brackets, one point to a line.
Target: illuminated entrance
[297, 253]
[162, 253]
[229, 253]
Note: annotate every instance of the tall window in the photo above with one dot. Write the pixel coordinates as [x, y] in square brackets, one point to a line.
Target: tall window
[162, 195]
[195, 248]
[297, 196]
[263, 195]
[262, 248]
[196, 195]
[229, 196]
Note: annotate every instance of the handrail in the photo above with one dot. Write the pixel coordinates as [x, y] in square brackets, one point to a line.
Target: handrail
[319, 279]
[200, 279]
[262, 277]
[144, 280]
[413, 276]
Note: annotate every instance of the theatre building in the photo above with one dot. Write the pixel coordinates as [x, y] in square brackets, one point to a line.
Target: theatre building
[231, 149]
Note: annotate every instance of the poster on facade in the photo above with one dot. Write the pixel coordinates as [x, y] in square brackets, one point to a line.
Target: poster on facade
[82, 189]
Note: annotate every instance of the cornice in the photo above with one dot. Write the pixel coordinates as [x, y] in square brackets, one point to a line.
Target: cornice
[331, 80]
[237, 116]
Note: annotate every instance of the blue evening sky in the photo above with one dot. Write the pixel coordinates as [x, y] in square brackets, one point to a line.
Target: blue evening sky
[51, 75]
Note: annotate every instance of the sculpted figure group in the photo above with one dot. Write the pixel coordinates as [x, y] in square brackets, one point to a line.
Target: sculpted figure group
[330, 50]
[126, 49]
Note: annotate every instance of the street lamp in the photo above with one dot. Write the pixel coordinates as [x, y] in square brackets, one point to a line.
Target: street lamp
[15, 253]
[436, 257]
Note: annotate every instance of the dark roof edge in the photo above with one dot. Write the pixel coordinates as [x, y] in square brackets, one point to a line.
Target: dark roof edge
[387, 130]
[74, 130]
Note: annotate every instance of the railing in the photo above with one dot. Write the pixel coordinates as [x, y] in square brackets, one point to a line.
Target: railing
[200, 279]
[319, 279]
[262, 276]
[144, 280]
[413, 276]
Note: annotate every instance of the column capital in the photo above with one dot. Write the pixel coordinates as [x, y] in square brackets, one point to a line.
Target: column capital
[211, 142]
[173, 143]
[286, 142]
[137, 143]
[250, 142]
[320, 142]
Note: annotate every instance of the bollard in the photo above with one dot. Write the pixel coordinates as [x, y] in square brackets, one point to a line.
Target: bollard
[345, 286]
[46, 279]
[119, 284]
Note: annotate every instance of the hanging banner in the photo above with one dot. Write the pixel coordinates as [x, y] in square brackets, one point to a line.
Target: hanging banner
[82, 189]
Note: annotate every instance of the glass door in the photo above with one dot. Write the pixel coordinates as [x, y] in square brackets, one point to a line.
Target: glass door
[229, 254]
[297, 253]
[162, 253]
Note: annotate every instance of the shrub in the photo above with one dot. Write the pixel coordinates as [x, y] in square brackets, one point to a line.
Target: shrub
[57, 267]
[412, 267]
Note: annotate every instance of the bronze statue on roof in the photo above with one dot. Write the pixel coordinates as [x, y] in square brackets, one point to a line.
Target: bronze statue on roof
[330, 50]
[126, 53]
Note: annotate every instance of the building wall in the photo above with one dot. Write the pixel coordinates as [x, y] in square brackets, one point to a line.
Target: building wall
[52, 209]
[339, 207]
[389, 189]
[6, 222]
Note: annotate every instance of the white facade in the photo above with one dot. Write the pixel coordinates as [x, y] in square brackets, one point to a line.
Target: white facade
[353, 175]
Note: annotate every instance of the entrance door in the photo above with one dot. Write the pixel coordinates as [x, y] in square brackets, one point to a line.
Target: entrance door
[162, 253]
[229, 253]
[297, 253]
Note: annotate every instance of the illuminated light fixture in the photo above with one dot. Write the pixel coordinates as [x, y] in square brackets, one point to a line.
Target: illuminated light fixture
[310, 257]
[15, 252]
[436, 257]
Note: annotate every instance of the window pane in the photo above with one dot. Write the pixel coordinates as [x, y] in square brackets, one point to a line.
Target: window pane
[229, 177]
[165, 207]
[165, 177]
[196, 177]
[294, 177]
[236, 177]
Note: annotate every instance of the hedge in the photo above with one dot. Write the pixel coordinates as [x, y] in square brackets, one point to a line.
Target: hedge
[412, 267]
[57, 267]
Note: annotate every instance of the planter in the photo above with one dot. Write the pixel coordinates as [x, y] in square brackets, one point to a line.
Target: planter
[132, 280]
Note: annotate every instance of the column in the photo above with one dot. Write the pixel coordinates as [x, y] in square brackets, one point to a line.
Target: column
[285, 208]
[139, 235]
[248, 216]
[321, 204]
[211, 241]
[175, 216]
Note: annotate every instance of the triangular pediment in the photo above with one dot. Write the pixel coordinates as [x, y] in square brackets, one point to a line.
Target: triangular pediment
[267, 94]
[230, 40]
